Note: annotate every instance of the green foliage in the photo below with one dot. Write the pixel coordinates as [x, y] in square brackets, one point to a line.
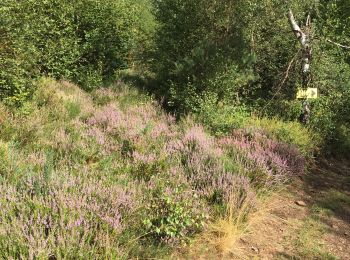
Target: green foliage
[172, 215]
[237, 53]
[222, 61]
[341, 142]
[196, 51]
[221, 118]
[293, 133]
[144, 35]
[85, 41]
[234, 49]
[330, 65]
[334, 24]
[105, 32]
[331, 120]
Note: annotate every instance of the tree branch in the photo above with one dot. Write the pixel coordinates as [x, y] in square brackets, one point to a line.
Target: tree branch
[280, 85]
[338, 44]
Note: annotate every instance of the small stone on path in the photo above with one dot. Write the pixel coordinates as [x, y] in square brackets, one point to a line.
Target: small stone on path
[255, 249]
[300, 203]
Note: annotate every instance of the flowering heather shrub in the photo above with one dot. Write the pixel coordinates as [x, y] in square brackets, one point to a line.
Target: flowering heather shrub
[261, 155]
[92, 141]
[98, 134]
[203, 165]
[226, 184]
[194, 140]
[161, 129]
[145, 166]
[62, 215]
[139, 128]
[292, 133]
[108, 118]
[37, 160]
[128, 125]
[81, 182]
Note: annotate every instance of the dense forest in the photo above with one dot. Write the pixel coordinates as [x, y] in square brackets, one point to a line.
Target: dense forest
[159, 128]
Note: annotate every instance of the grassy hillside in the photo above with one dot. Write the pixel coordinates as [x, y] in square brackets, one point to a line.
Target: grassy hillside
[110, 175]
[91, 167]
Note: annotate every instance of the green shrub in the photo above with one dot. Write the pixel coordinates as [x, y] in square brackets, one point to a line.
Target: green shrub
[73, 109]
[85, 41]
[221, 118]
[293, 133]
[197, 53]
[340, 144]
[173, 213]
[105, 32]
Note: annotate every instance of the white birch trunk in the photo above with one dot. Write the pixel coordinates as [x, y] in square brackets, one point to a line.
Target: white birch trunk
[304, 39]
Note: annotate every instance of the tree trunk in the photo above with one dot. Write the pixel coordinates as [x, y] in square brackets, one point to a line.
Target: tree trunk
[304, 39]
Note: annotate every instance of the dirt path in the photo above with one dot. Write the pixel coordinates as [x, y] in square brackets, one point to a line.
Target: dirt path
[317, 228]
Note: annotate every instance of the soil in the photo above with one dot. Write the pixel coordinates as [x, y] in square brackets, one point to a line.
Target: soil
[277, 235]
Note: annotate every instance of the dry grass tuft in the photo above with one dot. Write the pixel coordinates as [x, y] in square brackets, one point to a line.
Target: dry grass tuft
[221, 239]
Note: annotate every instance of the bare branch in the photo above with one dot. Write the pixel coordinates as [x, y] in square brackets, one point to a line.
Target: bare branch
[308, 26]
[287, 71]
[338, 44]
[280, 85]
[308, 20]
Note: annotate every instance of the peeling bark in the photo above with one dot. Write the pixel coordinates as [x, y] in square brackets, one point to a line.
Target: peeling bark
[304, 39]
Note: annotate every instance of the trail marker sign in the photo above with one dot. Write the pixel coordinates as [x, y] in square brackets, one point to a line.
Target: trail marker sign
[309, 93]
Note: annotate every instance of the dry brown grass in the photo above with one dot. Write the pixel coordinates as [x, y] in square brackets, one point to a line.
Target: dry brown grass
[221, 239]
[3, 113]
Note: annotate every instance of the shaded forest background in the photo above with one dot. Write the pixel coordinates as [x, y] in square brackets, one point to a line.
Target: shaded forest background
[213, 58]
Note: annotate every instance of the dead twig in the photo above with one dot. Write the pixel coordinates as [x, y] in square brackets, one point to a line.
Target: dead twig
[280, 85]
[338, 44]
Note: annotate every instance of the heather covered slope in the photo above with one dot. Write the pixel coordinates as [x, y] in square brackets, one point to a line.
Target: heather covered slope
[109, 174]
[92, 167]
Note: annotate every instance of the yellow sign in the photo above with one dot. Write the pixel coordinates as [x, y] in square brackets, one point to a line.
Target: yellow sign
[308, 93]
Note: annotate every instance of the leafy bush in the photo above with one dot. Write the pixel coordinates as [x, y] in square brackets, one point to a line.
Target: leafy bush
[85, 41]
[219, 117]
[208, 54]
[197, 53]
[330, 119]
[173, 213]
[222, 119]
[292, 133]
